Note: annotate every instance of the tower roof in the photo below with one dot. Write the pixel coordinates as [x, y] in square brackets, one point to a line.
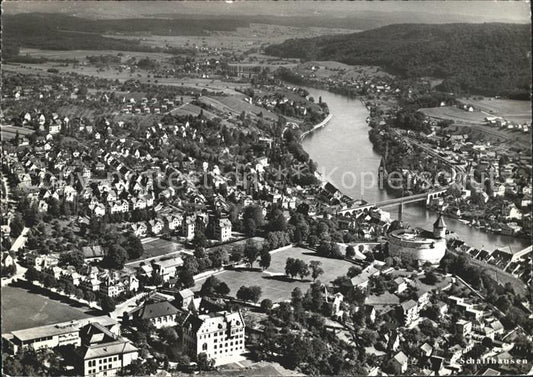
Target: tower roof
[440, 222]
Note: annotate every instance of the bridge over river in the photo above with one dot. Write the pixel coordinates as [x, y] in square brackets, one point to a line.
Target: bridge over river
[423, 197]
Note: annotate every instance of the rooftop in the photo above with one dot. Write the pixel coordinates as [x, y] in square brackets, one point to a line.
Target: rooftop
[60, 328]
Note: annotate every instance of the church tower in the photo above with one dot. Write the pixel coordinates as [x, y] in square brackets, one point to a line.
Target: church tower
[439, 228]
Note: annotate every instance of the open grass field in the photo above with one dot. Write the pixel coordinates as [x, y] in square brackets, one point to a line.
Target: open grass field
[502, 107]
[155, 247]
[24, 308]
[279, 288]
[328, 68]
[455, 114]
[236, 105]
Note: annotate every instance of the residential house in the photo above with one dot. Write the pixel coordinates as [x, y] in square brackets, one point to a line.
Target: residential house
[188, 227]
[410, 311]
[93, 253]
[401, 360]
[184, 298]
[167, 268]
[222, 230]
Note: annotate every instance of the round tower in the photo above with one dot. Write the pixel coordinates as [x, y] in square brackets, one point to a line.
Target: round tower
[439, 228]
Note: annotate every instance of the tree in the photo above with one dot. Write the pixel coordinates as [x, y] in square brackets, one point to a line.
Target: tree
[255, 293]
[204, 363]
[222, 289]
[266, 305]
[107, 303]
[250, 227]
[297, 304]
[503, 303]
[336, 251]
[219, 257]
[353, 271]
[190, 264]
[133, 246]
[74, 258]
[89, 296]
[50, 281]
[290, 267]
[277, 222]
[431, 278]
[199, 238]
[186, 278]
[316, 270]
[324, 249]
[209, 286]
[252, 293]
[254, 212]
[265, 260]
[251, 252]
[116, 257]
[169, 335]
[16, 226]
[350, 251]
[303, 269]
[312, 240]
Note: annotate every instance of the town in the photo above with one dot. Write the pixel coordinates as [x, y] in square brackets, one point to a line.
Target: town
[163, 215]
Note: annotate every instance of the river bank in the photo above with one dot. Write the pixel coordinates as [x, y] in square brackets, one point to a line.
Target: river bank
[346, 158]
[316, 127]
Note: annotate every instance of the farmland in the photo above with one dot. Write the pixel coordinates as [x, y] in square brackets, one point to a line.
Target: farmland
[514, 110]
[81, 55]
[273, 282]
[455, 114]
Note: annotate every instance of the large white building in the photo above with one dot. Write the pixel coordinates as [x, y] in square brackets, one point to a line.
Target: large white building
[219, 335]
[418, 244]
[58, 334]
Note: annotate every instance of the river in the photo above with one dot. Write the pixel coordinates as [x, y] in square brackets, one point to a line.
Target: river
[345, 156]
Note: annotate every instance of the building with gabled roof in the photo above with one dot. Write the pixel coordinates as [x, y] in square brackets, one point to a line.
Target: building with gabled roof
[160, 314]
[220, 335]
[102, 352]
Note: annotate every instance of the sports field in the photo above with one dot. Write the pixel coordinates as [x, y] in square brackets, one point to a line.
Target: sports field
[25, 308]
[274, 284]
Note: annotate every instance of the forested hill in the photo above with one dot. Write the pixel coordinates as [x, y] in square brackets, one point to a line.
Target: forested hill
[491, 59]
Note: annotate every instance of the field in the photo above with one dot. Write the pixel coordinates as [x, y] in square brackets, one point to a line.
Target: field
[341, 71]
[455, 114]
[279, 288]
[236, 105]
[499, 106]
[242, 39]
[156, 247]
[513, 110]
[82, 54]
[23, 308]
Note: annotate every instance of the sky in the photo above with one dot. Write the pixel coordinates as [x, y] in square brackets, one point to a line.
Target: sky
[463, 11]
